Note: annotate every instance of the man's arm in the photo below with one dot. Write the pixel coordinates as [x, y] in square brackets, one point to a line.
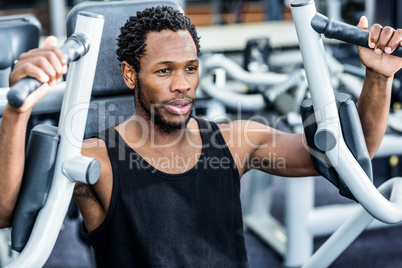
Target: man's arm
[287, 154]
[373, 107]
[47, 65]
[374, 101]
[93, 200]
[12, 146]
[258, 146]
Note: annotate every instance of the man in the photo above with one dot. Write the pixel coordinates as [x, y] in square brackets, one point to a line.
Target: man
[168, 193]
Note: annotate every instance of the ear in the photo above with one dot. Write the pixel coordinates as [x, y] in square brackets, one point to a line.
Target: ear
[129, 75]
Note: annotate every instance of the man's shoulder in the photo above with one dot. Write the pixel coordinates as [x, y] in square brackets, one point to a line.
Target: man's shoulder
[240, 125]
[226, 124]
[95, 148]
[242, 135]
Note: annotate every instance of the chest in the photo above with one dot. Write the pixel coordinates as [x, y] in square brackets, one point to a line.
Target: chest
[172, 162]
[169, 160]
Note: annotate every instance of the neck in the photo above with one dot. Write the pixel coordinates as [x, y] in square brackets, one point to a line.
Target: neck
[138, 131]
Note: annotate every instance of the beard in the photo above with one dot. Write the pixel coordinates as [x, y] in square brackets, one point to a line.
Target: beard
[161, 124]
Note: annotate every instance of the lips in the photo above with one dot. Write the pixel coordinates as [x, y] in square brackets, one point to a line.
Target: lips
[179, 107]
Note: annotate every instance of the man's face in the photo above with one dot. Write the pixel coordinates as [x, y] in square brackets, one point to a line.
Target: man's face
[168, 79]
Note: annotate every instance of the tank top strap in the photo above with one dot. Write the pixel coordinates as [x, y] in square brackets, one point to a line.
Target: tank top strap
[210, 132]
[104, 135]
[111, 138]
[212, 137]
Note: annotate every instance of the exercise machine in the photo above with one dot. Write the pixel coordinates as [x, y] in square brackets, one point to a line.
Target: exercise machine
[47, 205]
[294, 240]
[26, 260]
[92, 101]
[18, 34]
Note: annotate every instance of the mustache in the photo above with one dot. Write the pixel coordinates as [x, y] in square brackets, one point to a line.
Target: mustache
[178, 98]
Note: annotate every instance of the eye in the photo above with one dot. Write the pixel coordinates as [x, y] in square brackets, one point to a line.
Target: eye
[164, 71]
[192, 69]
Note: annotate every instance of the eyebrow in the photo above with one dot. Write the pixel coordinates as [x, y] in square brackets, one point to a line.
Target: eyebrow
[170, 61]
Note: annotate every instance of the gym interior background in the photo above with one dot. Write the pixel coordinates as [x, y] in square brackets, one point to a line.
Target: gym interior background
[245, 19]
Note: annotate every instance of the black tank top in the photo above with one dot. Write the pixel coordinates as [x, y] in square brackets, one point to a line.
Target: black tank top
[156, 219]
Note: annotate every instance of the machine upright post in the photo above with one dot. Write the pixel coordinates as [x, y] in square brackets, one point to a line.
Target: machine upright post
[71, 130]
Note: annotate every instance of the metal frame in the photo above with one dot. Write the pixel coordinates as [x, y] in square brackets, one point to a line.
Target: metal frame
[328, 120]
[303, 222]
[73, 113]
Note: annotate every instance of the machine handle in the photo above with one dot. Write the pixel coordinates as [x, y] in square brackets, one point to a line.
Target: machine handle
[344, 32]
[76, 46]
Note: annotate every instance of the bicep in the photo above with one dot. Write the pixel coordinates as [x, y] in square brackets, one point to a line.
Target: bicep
[283, 154]
[89, 205]
[94, 200]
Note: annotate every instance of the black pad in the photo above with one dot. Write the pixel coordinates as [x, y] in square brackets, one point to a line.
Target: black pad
[107, 112]
[18, 33]
[352, 133]
[39, 165]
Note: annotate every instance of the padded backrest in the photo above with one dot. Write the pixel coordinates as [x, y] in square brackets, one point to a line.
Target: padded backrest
[108, 78]
[112, 102]
[18, 33]
[36, 182]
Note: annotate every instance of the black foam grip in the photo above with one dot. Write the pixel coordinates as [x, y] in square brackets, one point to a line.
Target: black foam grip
[20, 91]
[75, 47]
[344, 32]
[36, 182]
[352, 133]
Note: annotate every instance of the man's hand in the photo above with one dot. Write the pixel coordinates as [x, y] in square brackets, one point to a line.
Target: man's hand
[47, 64]
[383, 41]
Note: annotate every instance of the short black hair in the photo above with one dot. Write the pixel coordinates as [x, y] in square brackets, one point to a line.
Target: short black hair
[131, 41]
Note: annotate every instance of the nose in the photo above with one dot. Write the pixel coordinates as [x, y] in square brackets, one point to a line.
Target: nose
[180, 82]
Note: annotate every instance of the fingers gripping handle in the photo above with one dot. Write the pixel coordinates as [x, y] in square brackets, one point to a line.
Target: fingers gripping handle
[74, 48]
[344, 32]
